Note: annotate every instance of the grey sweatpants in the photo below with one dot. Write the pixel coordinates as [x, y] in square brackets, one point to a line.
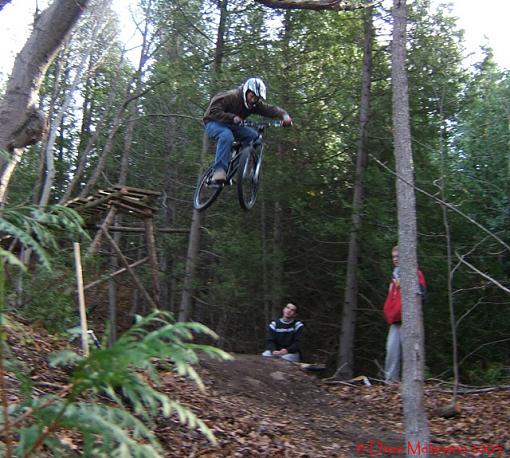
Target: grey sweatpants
[393, 354]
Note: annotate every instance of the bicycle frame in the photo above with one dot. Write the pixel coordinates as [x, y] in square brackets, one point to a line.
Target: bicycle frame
[247, 179]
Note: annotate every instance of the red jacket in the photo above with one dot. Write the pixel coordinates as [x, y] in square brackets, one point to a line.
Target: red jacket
[393, 304]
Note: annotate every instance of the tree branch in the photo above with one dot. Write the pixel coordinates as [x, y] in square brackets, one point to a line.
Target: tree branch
[442, 202]
[333, 5]
[473, 268]
[3, 3]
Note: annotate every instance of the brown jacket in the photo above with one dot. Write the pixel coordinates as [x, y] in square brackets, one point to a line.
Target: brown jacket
[225, 105]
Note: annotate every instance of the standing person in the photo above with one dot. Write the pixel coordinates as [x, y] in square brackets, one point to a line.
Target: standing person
[393, 314]
[225, 114]
[284, 335]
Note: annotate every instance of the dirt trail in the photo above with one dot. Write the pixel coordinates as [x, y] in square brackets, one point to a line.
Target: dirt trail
[264, 407]
[284, 411]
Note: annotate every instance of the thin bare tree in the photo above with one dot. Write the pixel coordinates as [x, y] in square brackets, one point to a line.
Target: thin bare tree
[416, 426]
[346, 349]
[185, 309]
[79, 74]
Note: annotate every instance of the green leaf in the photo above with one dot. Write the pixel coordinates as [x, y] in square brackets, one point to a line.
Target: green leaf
[27, 438]
[64, 357]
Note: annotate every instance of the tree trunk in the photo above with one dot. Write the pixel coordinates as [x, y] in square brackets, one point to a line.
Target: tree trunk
[56, 123]
[417, 432]
[112, 296]
[449, 249]
[194, 240]
[277, 273]
[169, 211]
[53, 104]
[122, 180]
[84, 155]
[346, 353]
[185, 312]
[265, 258]
[21, 124]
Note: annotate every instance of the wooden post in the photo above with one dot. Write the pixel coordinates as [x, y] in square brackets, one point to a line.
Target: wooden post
[129, 269]
[151, 248]
[81, 300]
[94, 246]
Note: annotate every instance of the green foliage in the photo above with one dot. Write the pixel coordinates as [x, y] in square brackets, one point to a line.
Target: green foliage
[154, 342]
[38, 229]
[493, 374]
[54, 307]
[43, 232]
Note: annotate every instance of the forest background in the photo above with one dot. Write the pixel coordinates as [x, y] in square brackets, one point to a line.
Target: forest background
[113, 121]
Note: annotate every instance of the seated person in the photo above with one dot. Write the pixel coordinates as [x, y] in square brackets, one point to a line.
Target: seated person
[284, 335]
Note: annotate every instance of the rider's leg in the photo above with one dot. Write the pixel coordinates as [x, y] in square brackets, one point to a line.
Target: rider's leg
[244, 134]
[222, 133]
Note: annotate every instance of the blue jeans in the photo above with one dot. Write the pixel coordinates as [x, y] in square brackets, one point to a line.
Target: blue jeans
[225, 134]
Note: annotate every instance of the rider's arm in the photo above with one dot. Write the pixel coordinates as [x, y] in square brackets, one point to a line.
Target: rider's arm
[270, 111]
[217, 110]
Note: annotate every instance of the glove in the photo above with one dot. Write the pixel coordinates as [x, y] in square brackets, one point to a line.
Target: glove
[238, 120]
[287, 120]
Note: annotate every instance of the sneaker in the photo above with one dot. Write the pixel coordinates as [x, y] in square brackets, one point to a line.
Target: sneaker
[219, 175]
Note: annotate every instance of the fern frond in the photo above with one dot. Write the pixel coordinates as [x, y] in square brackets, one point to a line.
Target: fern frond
[64, 357]
[25, 239]
[11, 259]
[115, 431]
[107, 431]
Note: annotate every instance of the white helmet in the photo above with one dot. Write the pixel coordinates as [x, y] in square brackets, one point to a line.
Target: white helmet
[255, 85]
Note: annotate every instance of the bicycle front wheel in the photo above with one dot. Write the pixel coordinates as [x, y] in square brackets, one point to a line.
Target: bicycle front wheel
[206, 192]
[248, 178]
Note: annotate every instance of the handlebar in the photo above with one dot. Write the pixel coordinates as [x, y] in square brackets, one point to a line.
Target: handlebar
[263, 125]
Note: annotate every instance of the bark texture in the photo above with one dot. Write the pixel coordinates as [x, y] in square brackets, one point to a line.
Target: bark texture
[347, 335]
[334, 5]
[21, 124]
[417, 432]
[195, 236]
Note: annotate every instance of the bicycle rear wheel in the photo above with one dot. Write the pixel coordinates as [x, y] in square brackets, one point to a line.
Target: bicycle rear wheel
[206, 192]
[248, 178]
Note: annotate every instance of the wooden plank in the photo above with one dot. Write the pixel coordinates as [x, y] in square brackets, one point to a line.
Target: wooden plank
[102, 200]
[147, 192]
[122, 206]
[116, 273]
[138, 202]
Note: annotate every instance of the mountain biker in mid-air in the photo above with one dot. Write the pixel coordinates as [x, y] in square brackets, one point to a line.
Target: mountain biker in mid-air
[225, 114]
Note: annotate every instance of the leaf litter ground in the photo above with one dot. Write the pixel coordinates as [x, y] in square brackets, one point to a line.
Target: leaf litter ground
[262, 407]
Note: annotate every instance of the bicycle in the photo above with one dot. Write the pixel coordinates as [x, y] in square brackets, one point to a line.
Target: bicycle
[243, 169]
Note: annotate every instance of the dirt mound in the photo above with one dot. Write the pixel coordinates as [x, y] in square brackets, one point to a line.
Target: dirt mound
[253, 376]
